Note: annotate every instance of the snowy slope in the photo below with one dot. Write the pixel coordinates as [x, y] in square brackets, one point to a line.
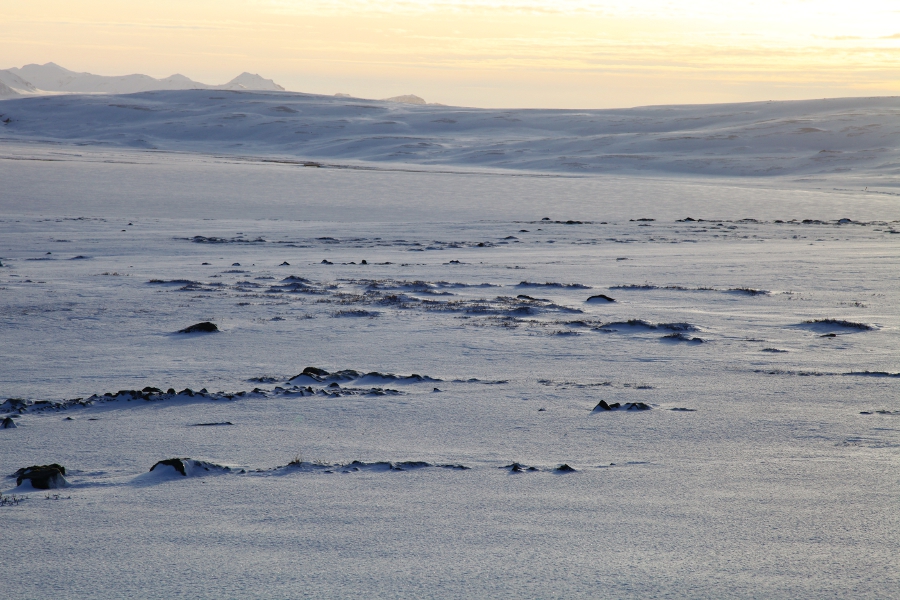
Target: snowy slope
[16, 83]
[814, 137]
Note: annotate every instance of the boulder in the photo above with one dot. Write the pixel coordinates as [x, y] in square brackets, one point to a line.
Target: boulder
[176, 463]
[204, 327]
[600, 298]
[43, 477]
[7, 423]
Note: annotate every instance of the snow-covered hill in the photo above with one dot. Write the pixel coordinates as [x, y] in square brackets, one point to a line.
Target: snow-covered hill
[851, 135]
[12, 85]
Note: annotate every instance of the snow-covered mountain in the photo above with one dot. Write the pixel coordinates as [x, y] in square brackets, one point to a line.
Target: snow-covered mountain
[12, 85]
[250, 81]
[50, 77]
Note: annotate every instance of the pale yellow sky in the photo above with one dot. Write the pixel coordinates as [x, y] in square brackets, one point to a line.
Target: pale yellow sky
[502, 53]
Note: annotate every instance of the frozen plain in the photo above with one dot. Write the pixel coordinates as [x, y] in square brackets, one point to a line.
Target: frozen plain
[772, 485]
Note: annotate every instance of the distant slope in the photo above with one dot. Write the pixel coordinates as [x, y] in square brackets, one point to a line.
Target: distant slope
[7, 92]
[51, 77]
[750, 139]
[15, 85]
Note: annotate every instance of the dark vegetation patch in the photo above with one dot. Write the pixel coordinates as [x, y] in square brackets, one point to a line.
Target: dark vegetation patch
[872, 374]
[649, 286]
[640, 323]
[551, 284]
[681, 337]
[357, 466]
[604, 406]
[797, 373]
[356, 313]
[317, 376]
[152, 394]
[840, 323]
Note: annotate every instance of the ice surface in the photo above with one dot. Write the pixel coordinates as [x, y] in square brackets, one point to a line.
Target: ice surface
[766, 465]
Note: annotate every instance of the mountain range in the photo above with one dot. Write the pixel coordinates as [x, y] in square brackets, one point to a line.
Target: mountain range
[35, 79]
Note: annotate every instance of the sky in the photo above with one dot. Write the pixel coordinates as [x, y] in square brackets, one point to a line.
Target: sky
[486, 53]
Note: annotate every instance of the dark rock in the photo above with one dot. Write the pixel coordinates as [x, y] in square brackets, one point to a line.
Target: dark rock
[177, 463]
[43, 477]
[600, 297]
[315, 371]
[564, 468]
[363, 262]
[235, 264]
[636, 406]
[409, 464]
[210, 425]
[24, 470]
[602, 405]
[680, 337]
[326, 262]
[285, 264]
[7, 423]
[171, 391]
[204, 327]
[828, 335]
[186, 392]
[152, 390]
[514, 467]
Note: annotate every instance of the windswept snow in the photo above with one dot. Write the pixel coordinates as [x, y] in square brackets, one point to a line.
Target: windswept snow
[415, 387]
[803, 138]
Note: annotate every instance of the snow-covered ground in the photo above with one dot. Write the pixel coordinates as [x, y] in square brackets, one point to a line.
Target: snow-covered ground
[755, 317]
[811, 139]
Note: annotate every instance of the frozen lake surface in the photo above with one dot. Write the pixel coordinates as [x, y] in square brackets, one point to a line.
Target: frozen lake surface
[753, 333]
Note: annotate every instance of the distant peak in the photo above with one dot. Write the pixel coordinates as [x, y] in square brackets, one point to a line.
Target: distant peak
[406, 99]
[253, 81]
